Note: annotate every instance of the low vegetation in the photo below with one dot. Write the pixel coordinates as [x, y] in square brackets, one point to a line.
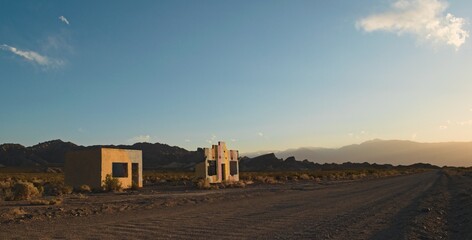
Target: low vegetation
[111, 184]
[31, 186]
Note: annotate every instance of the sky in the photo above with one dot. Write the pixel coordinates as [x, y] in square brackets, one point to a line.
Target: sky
[259, 75]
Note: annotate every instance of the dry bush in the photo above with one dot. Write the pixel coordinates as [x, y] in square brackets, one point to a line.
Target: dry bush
[248, 182]
[39, 202]
[203, 184]
[23, 191]
[56, 201]
[305, 176]
[66, 190]
[238, 184]
[56, 189]
[84, 189]
[13, 213]
[111, 184]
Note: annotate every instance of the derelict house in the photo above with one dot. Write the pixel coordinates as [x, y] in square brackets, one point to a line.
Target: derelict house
[91, 166]
[220, 164]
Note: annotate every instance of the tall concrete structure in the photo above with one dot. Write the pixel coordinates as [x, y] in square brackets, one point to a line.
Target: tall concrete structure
[220, 164]
[91, 166]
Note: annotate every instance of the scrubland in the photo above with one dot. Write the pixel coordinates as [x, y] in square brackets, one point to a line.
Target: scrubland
[354, 204]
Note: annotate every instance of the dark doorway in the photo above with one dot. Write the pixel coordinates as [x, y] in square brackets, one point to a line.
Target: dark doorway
[223, 172]
[135, 174]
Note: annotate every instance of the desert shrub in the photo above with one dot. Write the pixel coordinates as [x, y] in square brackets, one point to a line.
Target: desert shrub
[24, 191]
[235, 184]
[56, 189]
[65, 189]
[305, 176]
[39, 202]
[247, 182]
[134, 185]
[111, 184]
[39, 186]
[13, 213]
[203, 184]
[56, 201]
[83, 189]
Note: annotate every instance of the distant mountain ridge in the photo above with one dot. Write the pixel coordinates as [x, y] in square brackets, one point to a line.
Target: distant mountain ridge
[395, 152]
[52, 154]
[165, 157]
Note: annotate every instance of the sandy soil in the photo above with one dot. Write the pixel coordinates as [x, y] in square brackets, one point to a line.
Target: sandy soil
[431, 205]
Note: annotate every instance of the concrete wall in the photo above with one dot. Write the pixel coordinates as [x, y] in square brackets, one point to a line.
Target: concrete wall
[83, 167]
[223, 156]
[92, 166]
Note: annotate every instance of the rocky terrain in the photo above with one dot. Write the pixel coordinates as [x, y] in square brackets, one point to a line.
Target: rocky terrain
[428, 205]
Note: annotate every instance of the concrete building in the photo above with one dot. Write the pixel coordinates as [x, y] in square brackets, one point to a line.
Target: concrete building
[220, 164]
[91, 166]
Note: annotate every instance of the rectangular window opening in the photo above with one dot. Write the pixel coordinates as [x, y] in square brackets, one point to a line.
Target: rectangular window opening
[119, 170]
[211, 168]
[233, 168]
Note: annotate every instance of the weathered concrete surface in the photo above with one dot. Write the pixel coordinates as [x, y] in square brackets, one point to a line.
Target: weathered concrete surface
[91, 166]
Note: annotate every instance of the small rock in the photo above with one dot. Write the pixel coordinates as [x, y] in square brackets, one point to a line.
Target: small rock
[426, 210]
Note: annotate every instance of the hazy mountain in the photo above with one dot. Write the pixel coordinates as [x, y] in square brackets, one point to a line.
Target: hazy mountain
[394, 152]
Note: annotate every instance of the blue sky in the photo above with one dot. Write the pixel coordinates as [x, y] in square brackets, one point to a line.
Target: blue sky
[260, 75]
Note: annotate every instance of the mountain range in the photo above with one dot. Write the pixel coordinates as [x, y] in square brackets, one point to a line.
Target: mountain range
[52, 154]
[165, 157]
[395, 152]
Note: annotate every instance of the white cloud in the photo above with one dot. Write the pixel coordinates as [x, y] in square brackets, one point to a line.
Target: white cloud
[140, 138]
[465, 123]
[413, 136]
[426, 19]
[212, 139]
[64, 20]
[443, 127]
[187, 140]
[260, 134]
[32, 56]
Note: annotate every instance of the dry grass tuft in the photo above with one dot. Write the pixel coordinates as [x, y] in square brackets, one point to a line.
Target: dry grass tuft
[84, 189]
[203, 184]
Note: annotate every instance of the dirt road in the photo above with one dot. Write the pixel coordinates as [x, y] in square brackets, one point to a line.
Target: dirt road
[407, 207]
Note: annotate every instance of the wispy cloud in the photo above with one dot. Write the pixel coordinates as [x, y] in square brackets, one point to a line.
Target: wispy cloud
[212, 139]
[443, 127]
[413, 136]
[32, 56]
[140, 138]
[465, 123]
[64, 20]
[426, 19]
[260, 134]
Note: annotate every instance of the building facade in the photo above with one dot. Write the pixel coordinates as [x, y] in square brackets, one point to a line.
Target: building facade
[220, 164]
[91, 166]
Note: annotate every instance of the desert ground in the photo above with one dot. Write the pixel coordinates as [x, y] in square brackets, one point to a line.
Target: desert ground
[429, 205]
